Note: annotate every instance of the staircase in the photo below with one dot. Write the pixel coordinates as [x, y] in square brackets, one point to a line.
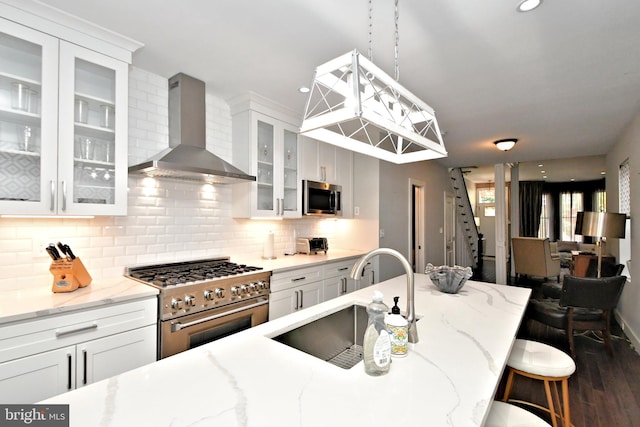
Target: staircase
[468, 241]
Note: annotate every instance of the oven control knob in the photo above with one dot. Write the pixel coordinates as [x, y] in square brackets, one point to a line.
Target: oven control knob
[263, 285]
[253, 287]
[189, 300]
[219, 293]
[209, 295]
[176, 303]
[244, 290]
[235, 291]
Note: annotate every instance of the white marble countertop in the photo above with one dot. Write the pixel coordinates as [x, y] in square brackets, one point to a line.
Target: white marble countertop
[448, 378]
[288, 262]
[32, 302]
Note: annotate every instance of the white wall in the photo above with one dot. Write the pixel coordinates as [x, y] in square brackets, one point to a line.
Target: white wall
[167, 220]
[394, 211]
[628, 147]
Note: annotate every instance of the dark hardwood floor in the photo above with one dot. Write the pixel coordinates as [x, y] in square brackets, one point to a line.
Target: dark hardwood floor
[604, 391]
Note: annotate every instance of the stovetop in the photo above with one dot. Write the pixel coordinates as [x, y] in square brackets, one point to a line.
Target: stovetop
[163, 275]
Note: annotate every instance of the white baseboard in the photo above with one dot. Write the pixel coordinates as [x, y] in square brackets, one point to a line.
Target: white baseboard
[629, 332]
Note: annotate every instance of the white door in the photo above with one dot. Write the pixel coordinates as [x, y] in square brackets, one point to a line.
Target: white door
[34, 378]
[115, 354]
[449, 228]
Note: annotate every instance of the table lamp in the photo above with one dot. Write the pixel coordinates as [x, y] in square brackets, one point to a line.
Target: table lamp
[599, 225]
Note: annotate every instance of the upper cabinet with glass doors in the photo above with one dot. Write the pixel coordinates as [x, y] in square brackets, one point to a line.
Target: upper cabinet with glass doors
[63, 125]
[265, 144]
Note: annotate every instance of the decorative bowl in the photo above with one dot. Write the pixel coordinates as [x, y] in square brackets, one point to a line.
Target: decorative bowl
[448, 279]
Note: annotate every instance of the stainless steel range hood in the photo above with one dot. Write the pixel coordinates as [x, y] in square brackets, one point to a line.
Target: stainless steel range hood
[187, 157]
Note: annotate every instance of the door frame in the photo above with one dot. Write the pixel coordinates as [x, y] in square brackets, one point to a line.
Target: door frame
[416, 223]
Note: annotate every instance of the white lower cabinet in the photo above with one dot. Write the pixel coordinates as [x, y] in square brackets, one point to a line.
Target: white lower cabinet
[294, 290]
[337, 279]
[55, 354]
[284, 302]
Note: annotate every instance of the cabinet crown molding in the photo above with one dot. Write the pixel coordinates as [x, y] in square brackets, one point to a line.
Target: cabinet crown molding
[65, 26]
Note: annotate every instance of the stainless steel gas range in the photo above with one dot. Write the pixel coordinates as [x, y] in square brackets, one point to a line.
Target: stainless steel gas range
[204, 300]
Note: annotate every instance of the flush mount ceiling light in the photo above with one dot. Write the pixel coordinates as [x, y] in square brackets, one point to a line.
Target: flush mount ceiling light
[505, 144]
[355, 105]
[528, 5]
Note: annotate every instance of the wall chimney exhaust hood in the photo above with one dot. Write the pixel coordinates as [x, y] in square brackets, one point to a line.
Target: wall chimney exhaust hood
[187, 157]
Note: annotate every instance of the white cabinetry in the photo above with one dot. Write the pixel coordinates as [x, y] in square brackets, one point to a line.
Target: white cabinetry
[337, 280]
[265, 144]
[327, 163]
[55, 354]
[63, 122]
[294, 290]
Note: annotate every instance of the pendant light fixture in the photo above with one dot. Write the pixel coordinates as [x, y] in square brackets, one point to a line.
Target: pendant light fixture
[355, 105]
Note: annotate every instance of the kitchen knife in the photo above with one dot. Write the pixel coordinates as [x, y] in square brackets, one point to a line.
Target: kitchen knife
[51, 254]
[68, 251]
[53, 251]
[62, 249]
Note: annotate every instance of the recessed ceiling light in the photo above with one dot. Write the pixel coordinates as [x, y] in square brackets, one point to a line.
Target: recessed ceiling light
[573, 179]
[303, 89]
[543, 171]
[540, 165]
[528, 5]
[544, 176]
[603, 173]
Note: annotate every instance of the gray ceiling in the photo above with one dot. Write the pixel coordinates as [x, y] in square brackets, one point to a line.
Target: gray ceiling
[564, 79]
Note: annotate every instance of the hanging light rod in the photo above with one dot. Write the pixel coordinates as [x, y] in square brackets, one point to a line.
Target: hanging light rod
[355, 105]
[505, 144]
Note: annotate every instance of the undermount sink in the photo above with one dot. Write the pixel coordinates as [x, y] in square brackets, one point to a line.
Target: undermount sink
[335, 338]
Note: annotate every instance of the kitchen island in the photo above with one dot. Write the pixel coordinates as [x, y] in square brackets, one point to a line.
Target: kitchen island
[448, 378]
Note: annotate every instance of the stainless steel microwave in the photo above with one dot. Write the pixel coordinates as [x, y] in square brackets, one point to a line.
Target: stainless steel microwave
[321, 198]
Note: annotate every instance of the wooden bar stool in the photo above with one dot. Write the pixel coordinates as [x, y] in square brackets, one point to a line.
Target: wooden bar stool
[505, 415]
[548, 364]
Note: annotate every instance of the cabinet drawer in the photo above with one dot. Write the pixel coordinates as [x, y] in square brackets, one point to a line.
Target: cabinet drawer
[295, 278]
[25, 338]
[340, 268]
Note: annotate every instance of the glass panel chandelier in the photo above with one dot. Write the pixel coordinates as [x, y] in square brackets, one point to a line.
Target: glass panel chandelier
[355, 105]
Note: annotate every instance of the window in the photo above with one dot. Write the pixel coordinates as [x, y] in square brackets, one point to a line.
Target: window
[570, 205]
[624, 202]
[624, 190]
[544, 230]
[486, 195]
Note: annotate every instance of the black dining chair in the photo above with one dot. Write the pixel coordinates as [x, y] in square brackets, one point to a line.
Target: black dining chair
[585, 304]
[607, 269]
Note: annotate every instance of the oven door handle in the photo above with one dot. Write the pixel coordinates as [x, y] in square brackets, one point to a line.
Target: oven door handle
[179, 326]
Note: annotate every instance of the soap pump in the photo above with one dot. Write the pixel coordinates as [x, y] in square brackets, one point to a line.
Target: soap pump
[398, 327]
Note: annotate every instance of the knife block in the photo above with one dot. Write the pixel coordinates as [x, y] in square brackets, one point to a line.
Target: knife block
[69, 275]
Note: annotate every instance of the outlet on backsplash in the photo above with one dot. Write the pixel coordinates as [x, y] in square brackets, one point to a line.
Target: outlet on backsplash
[38, 245]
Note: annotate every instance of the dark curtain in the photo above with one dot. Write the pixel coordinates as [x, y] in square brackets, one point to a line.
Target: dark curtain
[530, 207]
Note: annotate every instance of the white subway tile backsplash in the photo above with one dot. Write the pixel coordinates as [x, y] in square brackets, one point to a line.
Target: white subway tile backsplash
[167, 220]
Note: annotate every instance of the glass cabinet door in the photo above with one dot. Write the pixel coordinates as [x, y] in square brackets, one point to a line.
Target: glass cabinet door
[265, 172]
[91, 106]
[28, 75]
[290, 177]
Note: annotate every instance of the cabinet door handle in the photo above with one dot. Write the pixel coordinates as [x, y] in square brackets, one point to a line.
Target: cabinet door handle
[298, 279]
[301, 300]
[297, 299]
[281, 205]
[69, 360]
[84, 369]
[52, 205]
[62, 332]
[64, 196]
[343, 268]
